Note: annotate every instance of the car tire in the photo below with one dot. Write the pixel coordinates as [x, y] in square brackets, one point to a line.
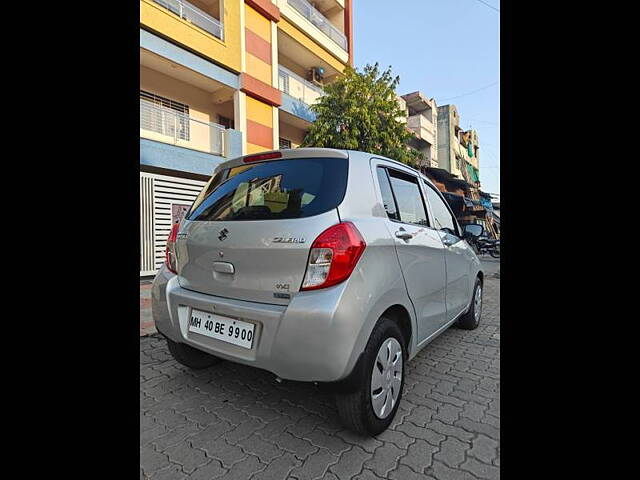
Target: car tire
[191, 357]
[356, 409]
[470, 321]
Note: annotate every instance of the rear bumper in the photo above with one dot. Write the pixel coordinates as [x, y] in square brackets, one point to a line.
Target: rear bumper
[311, 339]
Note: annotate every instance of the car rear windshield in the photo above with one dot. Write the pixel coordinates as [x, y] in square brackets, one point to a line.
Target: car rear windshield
[280, 189]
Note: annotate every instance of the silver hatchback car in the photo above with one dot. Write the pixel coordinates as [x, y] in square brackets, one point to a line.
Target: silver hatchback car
[318, 265]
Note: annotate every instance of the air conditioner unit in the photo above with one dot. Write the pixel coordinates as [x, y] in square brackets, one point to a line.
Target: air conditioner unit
[316, 75]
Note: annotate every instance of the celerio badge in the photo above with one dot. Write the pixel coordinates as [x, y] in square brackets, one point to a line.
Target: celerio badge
[288, 240]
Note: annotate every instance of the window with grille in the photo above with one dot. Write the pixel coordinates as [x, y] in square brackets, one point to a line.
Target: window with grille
[283, 81]
[164, 116]
[284, 143]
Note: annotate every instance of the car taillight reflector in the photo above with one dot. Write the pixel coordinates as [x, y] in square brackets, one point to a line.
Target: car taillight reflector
[333, 256]
[170, 255]
[262, 156]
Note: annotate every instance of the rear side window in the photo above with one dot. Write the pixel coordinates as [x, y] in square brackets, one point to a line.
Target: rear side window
[408, 197]
[273, 190]
[387, 194]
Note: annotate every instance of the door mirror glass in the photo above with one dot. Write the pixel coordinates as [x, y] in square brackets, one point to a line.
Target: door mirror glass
[473, 230]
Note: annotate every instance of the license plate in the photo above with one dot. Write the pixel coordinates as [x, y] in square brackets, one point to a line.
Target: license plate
[222, 328]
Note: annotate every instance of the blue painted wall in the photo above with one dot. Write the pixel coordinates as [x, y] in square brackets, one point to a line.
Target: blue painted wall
[297, 108]
[168, 50]
[163, 155]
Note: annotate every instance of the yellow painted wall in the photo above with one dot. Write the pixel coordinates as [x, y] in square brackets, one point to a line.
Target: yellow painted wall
[258, 24]
[259, 69]
[259, 112]
[261, 26]
[251, 148]
[226, 52]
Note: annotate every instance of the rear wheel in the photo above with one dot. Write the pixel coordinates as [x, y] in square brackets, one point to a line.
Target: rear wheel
[471, 319]
[495, 252]
[191, 357]
[370, 409]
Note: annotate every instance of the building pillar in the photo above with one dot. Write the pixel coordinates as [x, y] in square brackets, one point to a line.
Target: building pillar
[348, 27]
[274, 83]
[240, 116]
[259, 78]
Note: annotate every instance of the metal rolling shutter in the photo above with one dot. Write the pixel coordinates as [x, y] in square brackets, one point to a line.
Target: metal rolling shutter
[157, 194]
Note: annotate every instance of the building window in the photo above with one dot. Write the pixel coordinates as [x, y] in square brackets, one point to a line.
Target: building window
[283, 81]
[165, 116]
[284, 143]
[225, 122]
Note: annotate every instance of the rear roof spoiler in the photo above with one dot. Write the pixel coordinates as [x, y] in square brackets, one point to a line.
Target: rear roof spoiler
[286, 154]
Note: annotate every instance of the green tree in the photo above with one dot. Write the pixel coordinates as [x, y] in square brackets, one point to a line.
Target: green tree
[360, 111]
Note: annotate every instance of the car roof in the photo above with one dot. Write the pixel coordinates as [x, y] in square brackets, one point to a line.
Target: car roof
[306, 152]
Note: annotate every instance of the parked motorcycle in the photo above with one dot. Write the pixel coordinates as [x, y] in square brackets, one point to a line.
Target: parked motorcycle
[481, 245]
[488, 245]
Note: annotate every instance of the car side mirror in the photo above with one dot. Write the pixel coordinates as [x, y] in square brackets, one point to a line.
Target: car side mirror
[449, 231]
[473, 231]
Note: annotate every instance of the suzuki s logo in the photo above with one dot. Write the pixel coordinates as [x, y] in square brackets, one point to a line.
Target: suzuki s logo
[223, 234]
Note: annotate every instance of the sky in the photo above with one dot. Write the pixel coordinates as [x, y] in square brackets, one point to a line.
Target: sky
[445, 49]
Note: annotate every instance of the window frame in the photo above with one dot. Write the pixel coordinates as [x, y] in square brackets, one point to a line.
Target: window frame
[386, 169]
[446, 204]
[280, 147]
[393, 195]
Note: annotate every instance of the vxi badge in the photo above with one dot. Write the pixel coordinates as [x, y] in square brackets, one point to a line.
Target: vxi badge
[288, 240]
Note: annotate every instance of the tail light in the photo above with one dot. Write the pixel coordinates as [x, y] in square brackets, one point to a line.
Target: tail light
[170, 256]
[334, 255]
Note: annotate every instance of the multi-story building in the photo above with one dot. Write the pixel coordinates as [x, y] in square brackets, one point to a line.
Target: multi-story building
[222, 78]
[458, 150]
[422, 120]
[451, 158]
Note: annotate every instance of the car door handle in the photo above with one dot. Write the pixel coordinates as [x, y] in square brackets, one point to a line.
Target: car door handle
[404, 235]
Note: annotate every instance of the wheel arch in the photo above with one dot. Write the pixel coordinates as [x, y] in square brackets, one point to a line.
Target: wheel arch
[401, 316]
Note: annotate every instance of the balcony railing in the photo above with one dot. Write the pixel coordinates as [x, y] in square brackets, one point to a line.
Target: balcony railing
[170, 126]
[297, 87]
[194, 15]
[305, 9]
